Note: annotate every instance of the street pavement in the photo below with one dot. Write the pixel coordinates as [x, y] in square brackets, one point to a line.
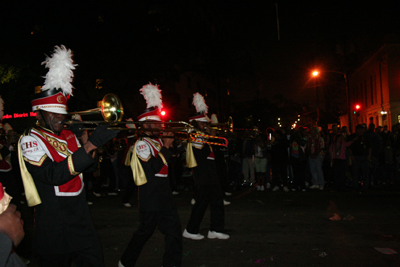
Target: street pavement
[269, 229]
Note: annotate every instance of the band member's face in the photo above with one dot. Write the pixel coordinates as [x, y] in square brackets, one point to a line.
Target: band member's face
[203, 125]
[150, 126]
[54, 120]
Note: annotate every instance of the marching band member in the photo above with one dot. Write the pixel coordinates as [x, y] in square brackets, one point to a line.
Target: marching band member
[150, 173]
[52, 162]
[205, 176]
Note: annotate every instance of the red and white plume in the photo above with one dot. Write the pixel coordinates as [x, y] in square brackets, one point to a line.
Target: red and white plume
[60, 74]
[200, 103]
[1, 108]
[214, 118]
[152, 95]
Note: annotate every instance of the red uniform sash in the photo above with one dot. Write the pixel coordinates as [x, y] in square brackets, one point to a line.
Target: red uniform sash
[60, 147]
[155, 147]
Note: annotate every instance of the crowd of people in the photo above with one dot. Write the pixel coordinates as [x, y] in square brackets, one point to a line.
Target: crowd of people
[304, 158]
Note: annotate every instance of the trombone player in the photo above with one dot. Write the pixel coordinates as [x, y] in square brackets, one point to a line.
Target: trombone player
[206, 178]
[52, 162]
[149, 165]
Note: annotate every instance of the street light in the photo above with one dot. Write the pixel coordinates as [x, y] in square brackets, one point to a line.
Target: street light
[316, 73]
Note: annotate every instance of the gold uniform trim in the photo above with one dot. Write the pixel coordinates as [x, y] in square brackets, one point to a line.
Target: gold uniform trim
[51, 106]
[71, 166]
[154, 143]
[162, 157]
[37, 163]
[57, 145]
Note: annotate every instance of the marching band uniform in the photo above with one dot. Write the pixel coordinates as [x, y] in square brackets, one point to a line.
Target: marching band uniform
[62, 221]
[156, 203]
[205, 176]
[52, 161]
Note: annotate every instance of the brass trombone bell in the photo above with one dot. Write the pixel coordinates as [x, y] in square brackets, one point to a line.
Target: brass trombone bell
[110, 108]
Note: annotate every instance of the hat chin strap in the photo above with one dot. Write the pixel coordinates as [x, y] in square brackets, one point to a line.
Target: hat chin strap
[45, 122]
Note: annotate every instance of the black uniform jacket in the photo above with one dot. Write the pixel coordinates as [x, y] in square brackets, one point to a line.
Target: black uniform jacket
[156, 193]
[205, 173]
[62, 221]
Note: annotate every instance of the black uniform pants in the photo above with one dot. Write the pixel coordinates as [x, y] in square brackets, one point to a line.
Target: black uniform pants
[207, 194]
[169, 224]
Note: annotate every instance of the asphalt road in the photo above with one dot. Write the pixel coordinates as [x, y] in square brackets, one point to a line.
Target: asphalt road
[270, 229]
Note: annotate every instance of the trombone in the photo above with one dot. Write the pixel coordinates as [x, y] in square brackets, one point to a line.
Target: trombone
[112, 112]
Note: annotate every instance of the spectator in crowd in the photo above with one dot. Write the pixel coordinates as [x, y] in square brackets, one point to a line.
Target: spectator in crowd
[248, 158]
[345, 132]
[360, 152]
[390, 166]
[385, 133]
[107, 173]
[279, 161]
[298, 159]
[337, 153]
[260, 161]
[376, 145]
[315, 151]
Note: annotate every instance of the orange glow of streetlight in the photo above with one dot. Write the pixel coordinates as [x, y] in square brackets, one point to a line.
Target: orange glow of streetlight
[315, 73]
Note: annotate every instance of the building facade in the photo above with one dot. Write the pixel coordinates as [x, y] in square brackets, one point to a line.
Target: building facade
[375, 86]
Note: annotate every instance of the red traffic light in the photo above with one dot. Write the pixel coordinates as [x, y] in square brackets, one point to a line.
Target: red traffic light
[358, 107]
[163, 113]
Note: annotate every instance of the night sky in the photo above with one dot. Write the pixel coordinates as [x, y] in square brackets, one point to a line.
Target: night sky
[131, 43]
